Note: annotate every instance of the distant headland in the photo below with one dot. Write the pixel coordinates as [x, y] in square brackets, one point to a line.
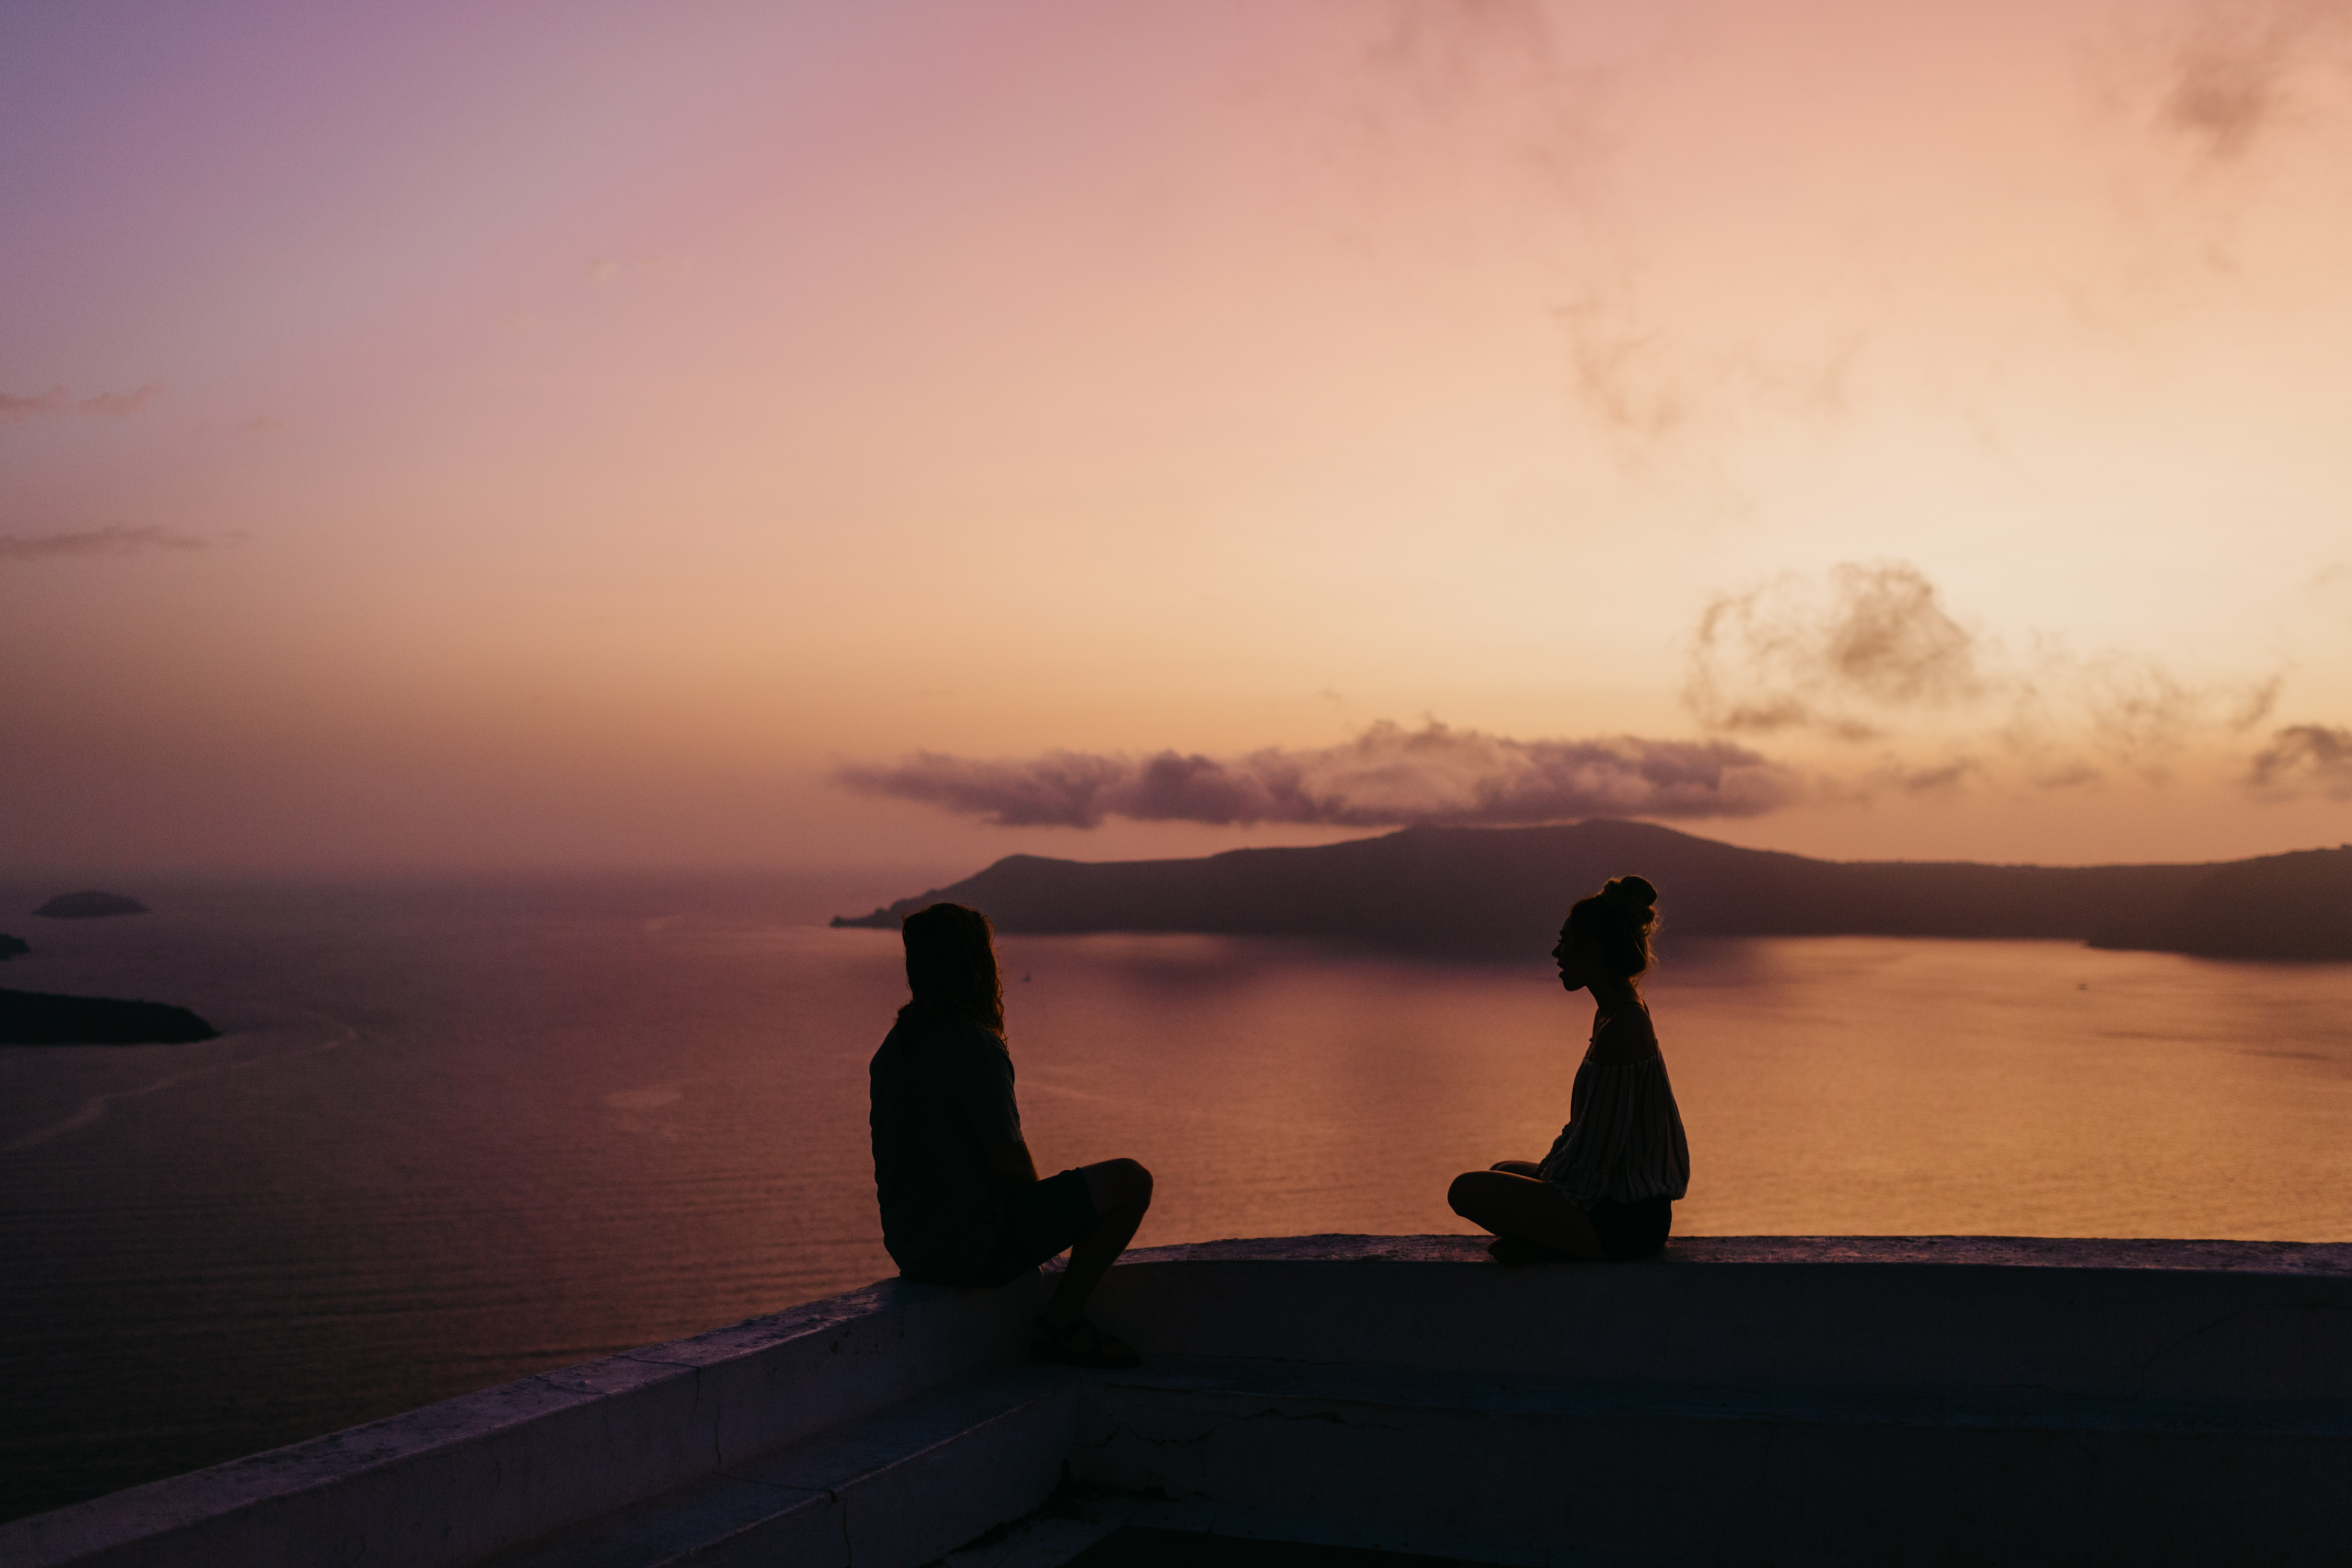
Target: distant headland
[39, 1018]
[89, 904]
[10, 946]
[1503, 891]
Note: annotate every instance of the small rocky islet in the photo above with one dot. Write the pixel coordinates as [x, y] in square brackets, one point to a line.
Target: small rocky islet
[46, 1019]
[41, 1018]
[89, 904]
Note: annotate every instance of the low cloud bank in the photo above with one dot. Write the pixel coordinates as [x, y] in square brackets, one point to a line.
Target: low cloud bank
[1387, 777]
[1881, 690]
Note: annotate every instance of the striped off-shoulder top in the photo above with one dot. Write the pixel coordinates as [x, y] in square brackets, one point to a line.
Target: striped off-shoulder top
[1624, 1140]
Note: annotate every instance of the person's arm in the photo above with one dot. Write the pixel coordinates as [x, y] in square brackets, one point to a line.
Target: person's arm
[984, 1088]
[1010, 1164]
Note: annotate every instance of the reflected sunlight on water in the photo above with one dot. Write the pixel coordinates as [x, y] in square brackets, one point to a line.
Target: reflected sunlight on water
[1830, 1085]
[452, 1136]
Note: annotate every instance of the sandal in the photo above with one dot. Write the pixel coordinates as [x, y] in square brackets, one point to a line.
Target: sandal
[1079, 1344]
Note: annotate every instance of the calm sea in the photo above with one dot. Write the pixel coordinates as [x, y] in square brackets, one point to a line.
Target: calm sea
[454, 1136]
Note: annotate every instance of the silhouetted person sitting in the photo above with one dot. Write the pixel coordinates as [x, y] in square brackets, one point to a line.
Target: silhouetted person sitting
[1607, 1189]
[962, 1203]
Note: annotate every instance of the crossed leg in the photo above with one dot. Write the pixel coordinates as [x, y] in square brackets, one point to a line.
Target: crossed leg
[1531, 1217]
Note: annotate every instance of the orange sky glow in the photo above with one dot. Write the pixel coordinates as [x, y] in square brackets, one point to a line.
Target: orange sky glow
[897, 436]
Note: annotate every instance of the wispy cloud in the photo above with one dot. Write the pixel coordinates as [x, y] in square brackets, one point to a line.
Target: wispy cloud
[1649, 390]
[15, 407]
[2306, 756]
[114, 404]
[1869, 653]
[95, 542]
[1388, 776]
[1830, 654]
[1491, 86]
[2231, 76]
[1506, 120]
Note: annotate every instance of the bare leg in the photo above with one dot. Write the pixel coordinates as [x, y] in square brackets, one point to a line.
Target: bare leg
[1121, 1190]
[1521, 1208]
[1509, 1250]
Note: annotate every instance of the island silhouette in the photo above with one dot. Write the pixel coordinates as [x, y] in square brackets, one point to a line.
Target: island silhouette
[41, 1018]
[89, 904]
[10, 946]
[1501, 891]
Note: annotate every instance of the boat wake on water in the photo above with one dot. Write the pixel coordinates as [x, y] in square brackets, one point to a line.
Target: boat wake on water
[95, 1107]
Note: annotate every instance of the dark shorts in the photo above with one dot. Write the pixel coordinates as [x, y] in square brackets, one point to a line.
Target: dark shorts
[1039, 1222]
[1629, 1231]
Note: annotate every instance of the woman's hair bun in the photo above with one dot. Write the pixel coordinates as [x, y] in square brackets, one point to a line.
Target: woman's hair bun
[1634, 894]
[1614, 924]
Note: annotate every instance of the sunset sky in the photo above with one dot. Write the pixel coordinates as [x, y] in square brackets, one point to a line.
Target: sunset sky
[894, 436]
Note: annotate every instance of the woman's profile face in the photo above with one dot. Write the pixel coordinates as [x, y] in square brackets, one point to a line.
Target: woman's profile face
[1576, 970]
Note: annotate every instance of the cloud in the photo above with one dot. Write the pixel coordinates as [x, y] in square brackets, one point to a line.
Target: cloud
[114, 404]
[14, 407]
[1496, 75]
[1503, 123]
[1656, 394]
[2304, 756]
[96, 541]
[1827, 656]
[2230, 77]
[1388, 776]
[1869, 653]
[105, 405]
[1623, 375]
[2136, 706]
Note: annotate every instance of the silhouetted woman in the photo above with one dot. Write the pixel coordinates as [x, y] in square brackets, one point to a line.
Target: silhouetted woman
[1607, 1187]
[962, 1203]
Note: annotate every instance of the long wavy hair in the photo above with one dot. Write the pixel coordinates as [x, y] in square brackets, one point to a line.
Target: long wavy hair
[951, 967]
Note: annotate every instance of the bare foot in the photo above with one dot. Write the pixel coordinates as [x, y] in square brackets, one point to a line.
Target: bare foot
[1512, 1253]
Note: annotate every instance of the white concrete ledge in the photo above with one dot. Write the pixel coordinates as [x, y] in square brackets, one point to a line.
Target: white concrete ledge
[457, 1481]
[1374, 1377]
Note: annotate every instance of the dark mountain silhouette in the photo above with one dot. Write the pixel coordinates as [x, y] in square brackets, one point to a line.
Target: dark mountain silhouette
[1504, 890]
[89, 904]
[39, 1018]
[10, 946]
[2298, 905]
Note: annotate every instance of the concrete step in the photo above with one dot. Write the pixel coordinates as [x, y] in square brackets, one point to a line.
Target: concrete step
[894, 1490]
[1738, 1400]
[1501, 1470]
[2025, 1405]
[1219, 1533]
